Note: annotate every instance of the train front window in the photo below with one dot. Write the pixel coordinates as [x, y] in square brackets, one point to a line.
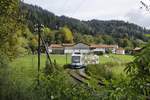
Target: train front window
[76, 59]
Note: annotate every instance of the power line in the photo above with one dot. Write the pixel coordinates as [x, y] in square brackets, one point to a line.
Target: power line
[78, 7]
[63, 5]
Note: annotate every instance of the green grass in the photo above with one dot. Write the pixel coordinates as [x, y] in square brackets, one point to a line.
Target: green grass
[116, 58]
[120, 60]
[147, 35]
[24, 69]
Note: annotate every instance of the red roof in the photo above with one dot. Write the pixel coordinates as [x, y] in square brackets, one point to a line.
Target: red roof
[68, 45]
[91, 46]
[103, 46]
[137, 49]
[120, 49]
[56, 46]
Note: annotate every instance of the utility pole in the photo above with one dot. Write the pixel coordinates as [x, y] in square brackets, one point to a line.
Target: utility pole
[66, 59]
[39, 52]
[38, 28]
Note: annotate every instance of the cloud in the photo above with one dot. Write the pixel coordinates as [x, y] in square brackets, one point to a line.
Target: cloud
[139, 17]
[127, 10]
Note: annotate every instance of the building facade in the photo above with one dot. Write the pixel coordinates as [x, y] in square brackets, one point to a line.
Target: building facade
[120, 51]
[83, 48]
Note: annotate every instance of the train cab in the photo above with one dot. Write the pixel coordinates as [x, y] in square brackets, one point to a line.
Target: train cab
[77, 60]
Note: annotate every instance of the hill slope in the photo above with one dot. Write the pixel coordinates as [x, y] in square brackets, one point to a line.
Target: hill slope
[114, 28]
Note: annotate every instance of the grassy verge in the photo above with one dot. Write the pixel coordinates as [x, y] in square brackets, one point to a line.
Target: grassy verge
[24, 69]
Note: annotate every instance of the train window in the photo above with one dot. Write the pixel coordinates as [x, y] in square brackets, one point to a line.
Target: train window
[77, 53]
[75, 59]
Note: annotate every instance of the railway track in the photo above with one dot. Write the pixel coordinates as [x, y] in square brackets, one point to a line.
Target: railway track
[78, 75]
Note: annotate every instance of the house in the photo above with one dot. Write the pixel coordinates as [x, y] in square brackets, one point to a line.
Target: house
[113, 48]
[136, 50]
[97, 48]
[120, 51]
[56, 49]
[68, 48]
[81, 47]
[103, 48]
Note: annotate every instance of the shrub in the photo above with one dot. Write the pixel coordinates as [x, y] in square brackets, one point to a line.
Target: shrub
[99, 71]
[111, 64]
[3, 73]
[99, 52]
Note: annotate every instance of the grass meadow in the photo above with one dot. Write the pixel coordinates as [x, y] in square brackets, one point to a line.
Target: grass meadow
[24, 69]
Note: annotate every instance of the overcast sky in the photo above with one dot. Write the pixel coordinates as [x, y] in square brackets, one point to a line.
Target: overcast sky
[127, 10]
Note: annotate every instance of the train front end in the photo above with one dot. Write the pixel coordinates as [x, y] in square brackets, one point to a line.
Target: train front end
[77, 60]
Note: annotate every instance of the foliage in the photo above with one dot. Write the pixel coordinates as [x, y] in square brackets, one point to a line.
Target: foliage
[139, 71]
[58, 86]
[95, 31]
[13, 33]
[8, 7]
[47, 35]
[33, 43]
[23, 72]
[68, 35]
[55, 86]
[120, 89]
[3, 73]
[99, 71]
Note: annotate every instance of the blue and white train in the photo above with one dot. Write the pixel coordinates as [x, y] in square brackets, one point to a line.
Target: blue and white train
[79, 60]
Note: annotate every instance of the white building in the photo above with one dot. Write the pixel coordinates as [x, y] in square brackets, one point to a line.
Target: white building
[103, 48]
[68, 48]
[82, 48]
[56, 49]
[120, 51]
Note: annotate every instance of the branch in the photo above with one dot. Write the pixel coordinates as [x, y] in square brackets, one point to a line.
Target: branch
[146, 6]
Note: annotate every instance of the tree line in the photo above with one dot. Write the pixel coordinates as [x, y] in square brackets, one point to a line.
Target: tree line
[125, 34]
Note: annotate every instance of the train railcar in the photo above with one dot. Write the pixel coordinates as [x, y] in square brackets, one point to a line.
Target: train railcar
[79, 60]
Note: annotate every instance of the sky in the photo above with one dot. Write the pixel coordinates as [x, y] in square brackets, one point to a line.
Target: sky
[127, 10]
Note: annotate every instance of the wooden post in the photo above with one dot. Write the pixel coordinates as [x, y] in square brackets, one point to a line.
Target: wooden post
[66, 59]
[39, 52]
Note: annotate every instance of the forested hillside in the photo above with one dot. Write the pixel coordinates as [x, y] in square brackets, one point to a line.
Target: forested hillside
[124, 34]
[49, 19]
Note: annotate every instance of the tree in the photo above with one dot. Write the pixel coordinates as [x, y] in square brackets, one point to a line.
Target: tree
[145, 6]
[48, 35]
[108, 39]
[89, 39]
[99, 39]
[68, 35]
[33, 44]
[139, 71]
[12, 33]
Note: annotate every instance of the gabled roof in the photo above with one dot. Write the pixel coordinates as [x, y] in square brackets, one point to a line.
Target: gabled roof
[137, 49]
[82, 45]
[56, 46]
[68, 44]
[103, 46]
[120, 49]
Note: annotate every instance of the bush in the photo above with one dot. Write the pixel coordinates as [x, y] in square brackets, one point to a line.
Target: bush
[3, 73]
[111, 64]
[99, 52]
[99, 71]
